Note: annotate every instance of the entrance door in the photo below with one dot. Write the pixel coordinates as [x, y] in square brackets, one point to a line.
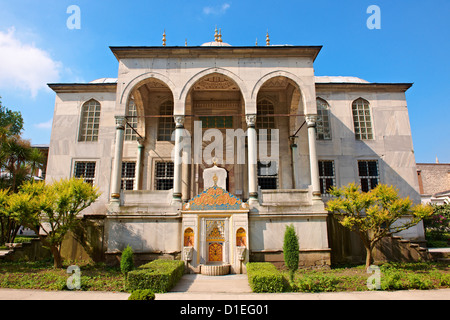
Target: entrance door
[215, 252]
[215, 240]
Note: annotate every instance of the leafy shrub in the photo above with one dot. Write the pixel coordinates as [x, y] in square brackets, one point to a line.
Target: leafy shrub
[144, 294]
[316, 283]
[393, 280]
[159, 276]
[420, 282]
[126, 261]
[264, 277]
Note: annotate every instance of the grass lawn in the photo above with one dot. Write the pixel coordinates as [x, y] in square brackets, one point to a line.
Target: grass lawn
[42, 275]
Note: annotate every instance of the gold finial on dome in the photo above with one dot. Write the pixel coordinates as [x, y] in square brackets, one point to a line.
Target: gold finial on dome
[164, 38]
[267, 39]
[220, 35]
[216, 35]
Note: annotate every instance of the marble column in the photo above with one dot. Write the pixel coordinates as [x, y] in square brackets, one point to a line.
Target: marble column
[140, 152]
[252, 157]
[177, 161]
[116, 175]
[313, 162]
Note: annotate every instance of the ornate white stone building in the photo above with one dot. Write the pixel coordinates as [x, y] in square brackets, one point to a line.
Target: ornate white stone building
[117, 134]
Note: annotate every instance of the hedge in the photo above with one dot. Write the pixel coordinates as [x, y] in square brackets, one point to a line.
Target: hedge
[264, 277]
[159, 276]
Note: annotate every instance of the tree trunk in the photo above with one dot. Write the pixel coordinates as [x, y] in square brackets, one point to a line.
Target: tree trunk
[369, 258]
[57, 260]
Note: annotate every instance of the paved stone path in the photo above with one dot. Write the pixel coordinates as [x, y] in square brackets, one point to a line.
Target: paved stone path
[230, 287]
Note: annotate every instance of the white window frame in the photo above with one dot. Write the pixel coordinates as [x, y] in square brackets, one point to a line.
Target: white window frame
[362, 120]
[91, 180]
[90, 123]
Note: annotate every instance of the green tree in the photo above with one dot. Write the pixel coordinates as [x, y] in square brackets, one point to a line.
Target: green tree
[374, 214]
[291, 251]
[51, 210]
[11, 122]
[14, 154]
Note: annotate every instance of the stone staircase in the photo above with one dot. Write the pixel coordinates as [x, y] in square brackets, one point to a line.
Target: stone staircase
[440, 254]
[396, 248]
[28, 251]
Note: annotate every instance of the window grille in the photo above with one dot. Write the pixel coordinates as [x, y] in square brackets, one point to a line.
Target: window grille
[268, 174]
[130, 134]
[90, 121]
[164, 175]
[128, 175]
[323, 120]
[369, 175]
[327, 176]
[362, 120]
[264, 120]
[166, 125]
[85, 170]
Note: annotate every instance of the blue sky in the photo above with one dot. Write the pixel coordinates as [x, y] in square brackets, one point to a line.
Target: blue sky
[413, 45]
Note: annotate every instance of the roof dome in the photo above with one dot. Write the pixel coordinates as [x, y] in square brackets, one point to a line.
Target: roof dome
[104, 80]
[339, 79]
[216, 44]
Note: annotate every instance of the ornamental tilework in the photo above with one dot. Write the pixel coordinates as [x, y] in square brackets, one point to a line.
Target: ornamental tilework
[215, 198]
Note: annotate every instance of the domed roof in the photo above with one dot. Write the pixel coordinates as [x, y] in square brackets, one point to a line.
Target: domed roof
[215, 44]
[104, 80]
[339, 79]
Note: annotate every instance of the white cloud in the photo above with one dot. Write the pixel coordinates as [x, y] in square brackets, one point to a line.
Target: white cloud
[217, 10]
[44, 125]
[24, 66]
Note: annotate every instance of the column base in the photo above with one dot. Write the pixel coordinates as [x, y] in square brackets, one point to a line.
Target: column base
[317, 195]
[176, 198]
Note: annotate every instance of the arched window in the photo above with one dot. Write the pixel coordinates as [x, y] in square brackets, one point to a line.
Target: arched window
[90, 121]
[323, 120]
[130, 134]
[166, 125]
[241, 238]
[362, 120]
[188, 237]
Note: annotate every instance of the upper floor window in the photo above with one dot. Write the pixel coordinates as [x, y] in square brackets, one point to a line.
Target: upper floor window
[166, 125]
[128, 175]
[164, 175]
[362, 120]
[130, 134]
[268, 174]
[90, 121]
[323, 120]
[265, 119]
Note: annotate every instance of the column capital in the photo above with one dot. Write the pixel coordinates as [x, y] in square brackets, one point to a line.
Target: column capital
[120, 122]
[140, 142]
[311, 120]
[179, 121]
[251, 120]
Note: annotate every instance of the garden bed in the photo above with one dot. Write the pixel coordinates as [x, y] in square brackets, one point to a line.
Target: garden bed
[393, 276]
